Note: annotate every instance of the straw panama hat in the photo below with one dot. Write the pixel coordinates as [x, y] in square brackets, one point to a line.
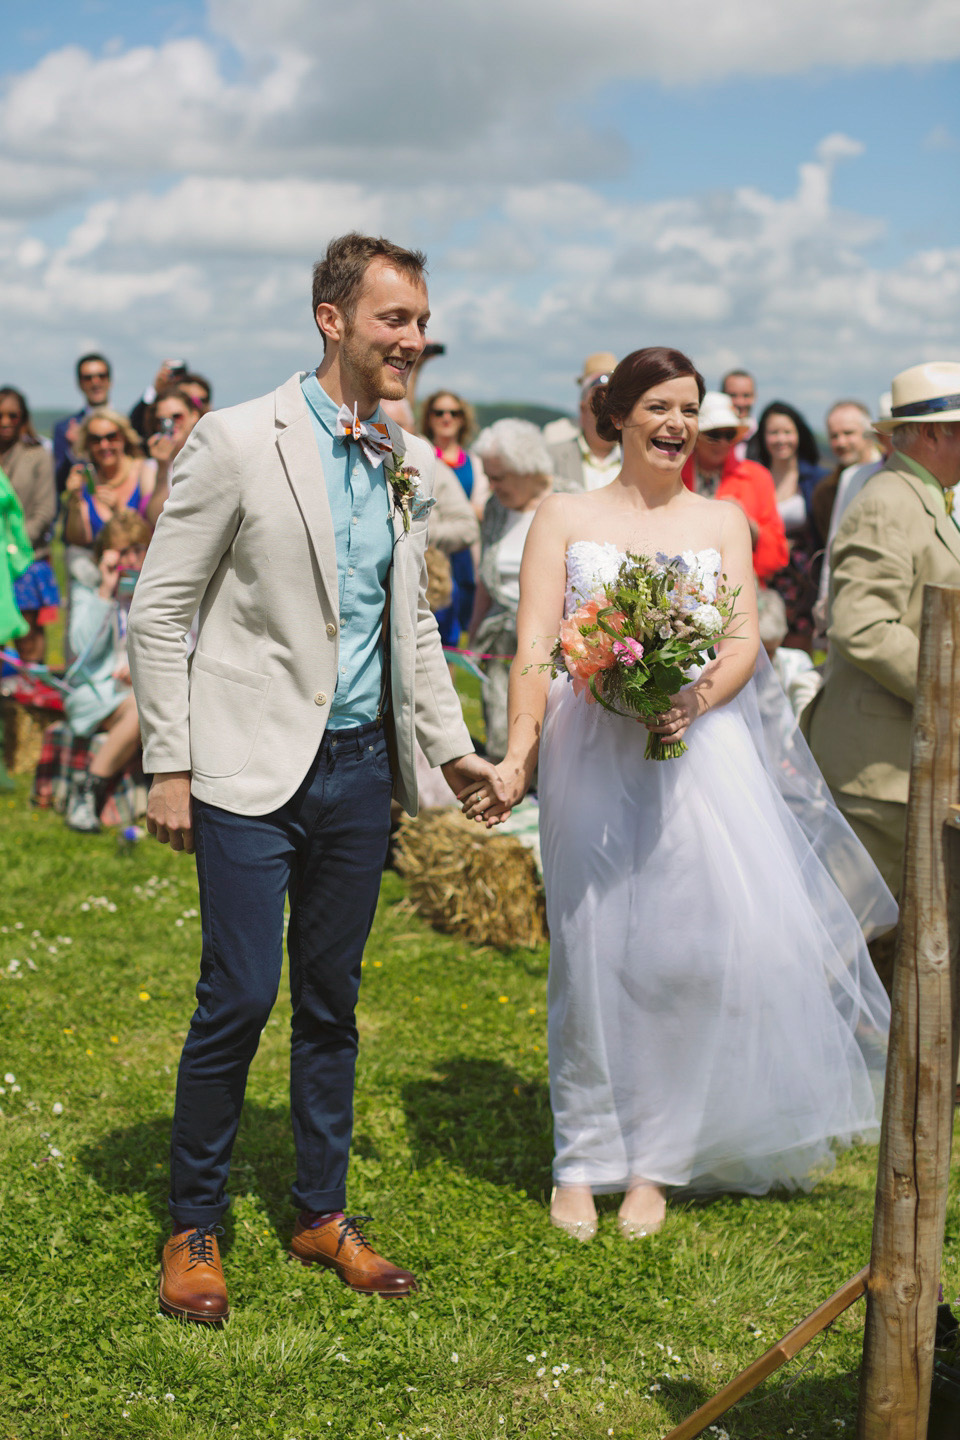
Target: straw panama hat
[929, 392]
[717, 413]
[601, 362]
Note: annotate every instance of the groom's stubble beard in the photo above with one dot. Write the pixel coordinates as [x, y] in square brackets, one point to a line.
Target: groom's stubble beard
[364, 365]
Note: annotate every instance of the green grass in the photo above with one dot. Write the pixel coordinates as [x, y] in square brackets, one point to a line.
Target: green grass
[451, 1157]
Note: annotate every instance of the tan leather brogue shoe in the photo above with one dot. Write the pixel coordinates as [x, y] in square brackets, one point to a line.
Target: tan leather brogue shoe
[340, 1245]
[192, 1286]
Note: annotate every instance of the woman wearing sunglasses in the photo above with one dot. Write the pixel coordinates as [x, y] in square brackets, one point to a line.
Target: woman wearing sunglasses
[448, 422]
[112, 476]
[714, 470]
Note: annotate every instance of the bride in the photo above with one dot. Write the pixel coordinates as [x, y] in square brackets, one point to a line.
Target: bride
[714, 1021]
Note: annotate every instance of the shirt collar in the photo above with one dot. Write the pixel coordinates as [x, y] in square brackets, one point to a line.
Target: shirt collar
[602, 463]
[931, 481]
[325, 409]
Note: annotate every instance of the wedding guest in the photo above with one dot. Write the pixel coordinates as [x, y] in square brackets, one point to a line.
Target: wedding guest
[895, 537]
[714, 470]
[581, 458]
[168, 423]
[518, 467]
[111, 475]
[93, 379]
[785, 444]
[449, 423]
[853, 441]
[742, 389]
[29, 468]
[104, 699]
[200, 391]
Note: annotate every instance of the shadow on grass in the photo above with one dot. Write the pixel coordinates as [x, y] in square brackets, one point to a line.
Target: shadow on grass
[136, 1158]
[486, 1119]
[788, 1399]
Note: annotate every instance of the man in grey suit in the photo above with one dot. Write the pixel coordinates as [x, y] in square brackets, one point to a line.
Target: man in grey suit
[296, 526]
[582, 459]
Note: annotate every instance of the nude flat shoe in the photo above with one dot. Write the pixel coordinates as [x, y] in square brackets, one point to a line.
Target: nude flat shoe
[582, 1230]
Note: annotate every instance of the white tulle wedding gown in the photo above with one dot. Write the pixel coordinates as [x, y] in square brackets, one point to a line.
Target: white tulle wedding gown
[714, 1019]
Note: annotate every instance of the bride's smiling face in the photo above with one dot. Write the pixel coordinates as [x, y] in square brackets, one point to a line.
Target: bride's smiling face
[662, 427]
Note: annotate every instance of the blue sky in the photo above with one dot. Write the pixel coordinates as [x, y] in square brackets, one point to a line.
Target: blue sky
[757, 185]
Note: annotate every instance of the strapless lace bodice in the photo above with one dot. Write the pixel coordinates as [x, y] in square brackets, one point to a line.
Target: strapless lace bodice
[591, 564]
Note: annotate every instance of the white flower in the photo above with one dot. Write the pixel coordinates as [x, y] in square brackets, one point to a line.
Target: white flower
[707, 619]
[57, 1108]
[169, 1398]
[530, 1359]
[541, 1372]
[10, 1077]
[557, 1370]
[455, 1358]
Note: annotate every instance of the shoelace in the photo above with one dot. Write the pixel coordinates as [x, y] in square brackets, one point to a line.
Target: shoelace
[350, 1230]
[199, 1244]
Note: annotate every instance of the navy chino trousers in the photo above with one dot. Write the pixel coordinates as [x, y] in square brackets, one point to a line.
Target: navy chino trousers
[326, 847]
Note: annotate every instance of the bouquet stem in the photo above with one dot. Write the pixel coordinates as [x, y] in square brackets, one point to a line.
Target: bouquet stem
[660, 749]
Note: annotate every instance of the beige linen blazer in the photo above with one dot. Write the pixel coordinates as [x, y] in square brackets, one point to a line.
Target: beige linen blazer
[893, 540]
[246, 538]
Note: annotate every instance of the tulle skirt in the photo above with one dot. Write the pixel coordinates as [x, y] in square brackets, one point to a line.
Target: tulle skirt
[714, 1019]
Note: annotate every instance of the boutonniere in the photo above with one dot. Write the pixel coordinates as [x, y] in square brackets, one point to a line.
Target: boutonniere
[405, 484]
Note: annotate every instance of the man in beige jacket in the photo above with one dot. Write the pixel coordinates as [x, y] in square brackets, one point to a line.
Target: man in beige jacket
[898, 535]
[296, 526]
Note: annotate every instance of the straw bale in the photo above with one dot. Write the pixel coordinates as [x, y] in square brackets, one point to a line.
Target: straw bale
[23, 727]
[471, 882]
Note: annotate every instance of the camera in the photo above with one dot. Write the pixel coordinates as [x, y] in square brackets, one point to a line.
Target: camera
[432, 349]
[177, 368]
[126, 582]
[165, 426]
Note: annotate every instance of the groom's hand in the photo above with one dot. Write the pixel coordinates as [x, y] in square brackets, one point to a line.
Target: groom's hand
[470, 773]
[169, 811]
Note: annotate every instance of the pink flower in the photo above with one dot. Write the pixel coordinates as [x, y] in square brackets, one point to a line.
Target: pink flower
[628, 651]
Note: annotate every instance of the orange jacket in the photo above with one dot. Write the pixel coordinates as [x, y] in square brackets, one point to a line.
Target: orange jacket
[751, 487]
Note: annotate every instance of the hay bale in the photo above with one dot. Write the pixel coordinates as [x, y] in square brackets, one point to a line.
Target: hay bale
[23, 727]
[471, 882]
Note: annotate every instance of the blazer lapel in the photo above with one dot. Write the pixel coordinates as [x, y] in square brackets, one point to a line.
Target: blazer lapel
[297, 446]
[946, 526]
[399, 450]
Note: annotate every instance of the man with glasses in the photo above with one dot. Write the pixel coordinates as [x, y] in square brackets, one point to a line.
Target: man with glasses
[582, 460]
[93, 379]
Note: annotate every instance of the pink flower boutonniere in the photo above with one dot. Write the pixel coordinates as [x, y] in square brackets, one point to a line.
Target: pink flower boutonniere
[405, 484]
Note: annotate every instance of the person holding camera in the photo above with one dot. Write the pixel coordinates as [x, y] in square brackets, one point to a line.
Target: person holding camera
[103, 698]
[169, 422]
[112, 475]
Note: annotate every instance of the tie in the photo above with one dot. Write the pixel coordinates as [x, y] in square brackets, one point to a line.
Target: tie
[374, 440]
[949, 499]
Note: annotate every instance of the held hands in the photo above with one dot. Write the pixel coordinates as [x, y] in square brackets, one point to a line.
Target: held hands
[471, 773]
[490, 801]
[169, 810]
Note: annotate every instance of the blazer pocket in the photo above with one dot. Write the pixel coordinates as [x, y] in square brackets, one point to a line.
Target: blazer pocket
[882, 702]
[226, 708]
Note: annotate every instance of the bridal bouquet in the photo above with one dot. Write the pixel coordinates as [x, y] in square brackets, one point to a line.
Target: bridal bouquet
[629, 647]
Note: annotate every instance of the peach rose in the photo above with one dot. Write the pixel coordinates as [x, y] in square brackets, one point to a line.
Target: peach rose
[586, 655]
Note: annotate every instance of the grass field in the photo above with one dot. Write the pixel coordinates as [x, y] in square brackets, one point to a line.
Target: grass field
[517, 1331]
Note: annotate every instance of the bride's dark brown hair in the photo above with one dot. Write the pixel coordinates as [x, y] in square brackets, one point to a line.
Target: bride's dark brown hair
[634, 376]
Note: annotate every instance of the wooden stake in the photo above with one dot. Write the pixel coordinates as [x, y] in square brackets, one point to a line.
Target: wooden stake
[785, 1349]
[914, 1164]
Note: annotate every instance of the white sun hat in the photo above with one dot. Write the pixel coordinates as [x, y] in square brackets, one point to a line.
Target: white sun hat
[717, 413]
[929, 392]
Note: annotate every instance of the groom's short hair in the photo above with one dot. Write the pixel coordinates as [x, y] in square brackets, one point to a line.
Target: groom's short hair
[338, 277]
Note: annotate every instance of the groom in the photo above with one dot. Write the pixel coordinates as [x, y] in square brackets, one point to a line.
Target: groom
[296, 526]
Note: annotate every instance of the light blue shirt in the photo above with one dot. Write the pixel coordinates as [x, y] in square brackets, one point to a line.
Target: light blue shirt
[363, 530]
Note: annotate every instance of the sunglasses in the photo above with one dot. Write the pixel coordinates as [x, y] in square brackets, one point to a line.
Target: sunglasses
[111, 438]
[94, 375]
[720, 434]
[454, 414]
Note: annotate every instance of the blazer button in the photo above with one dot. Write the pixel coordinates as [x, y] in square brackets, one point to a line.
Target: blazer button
[331, 628]
[319, 698]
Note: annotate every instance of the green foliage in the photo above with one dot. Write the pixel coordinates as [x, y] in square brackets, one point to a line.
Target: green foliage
[452, 1157]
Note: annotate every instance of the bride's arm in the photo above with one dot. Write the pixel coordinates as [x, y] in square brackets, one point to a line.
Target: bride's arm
[542, 584]
[724, 677]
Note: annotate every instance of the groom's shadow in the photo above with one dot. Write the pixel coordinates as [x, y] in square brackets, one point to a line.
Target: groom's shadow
[136, 1159]
[484, 1118]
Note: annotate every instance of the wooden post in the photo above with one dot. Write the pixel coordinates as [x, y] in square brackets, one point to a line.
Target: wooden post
[914, 1162]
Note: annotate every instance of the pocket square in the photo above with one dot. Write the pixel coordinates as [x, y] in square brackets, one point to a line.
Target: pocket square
[421, 508]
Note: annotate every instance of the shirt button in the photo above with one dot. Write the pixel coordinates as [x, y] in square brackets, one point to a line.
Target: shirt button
[355, 521]
[350, 570]
[319, 698]
[343, 669]
[331, 628]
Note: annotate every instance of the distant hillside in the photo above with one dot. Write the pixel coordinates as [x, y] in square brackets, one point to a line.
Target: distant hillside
[44, 420]
[497, 409]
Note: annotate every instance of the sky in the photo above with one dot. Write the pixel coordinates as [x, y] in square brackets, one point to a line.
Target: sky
[763, 186]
